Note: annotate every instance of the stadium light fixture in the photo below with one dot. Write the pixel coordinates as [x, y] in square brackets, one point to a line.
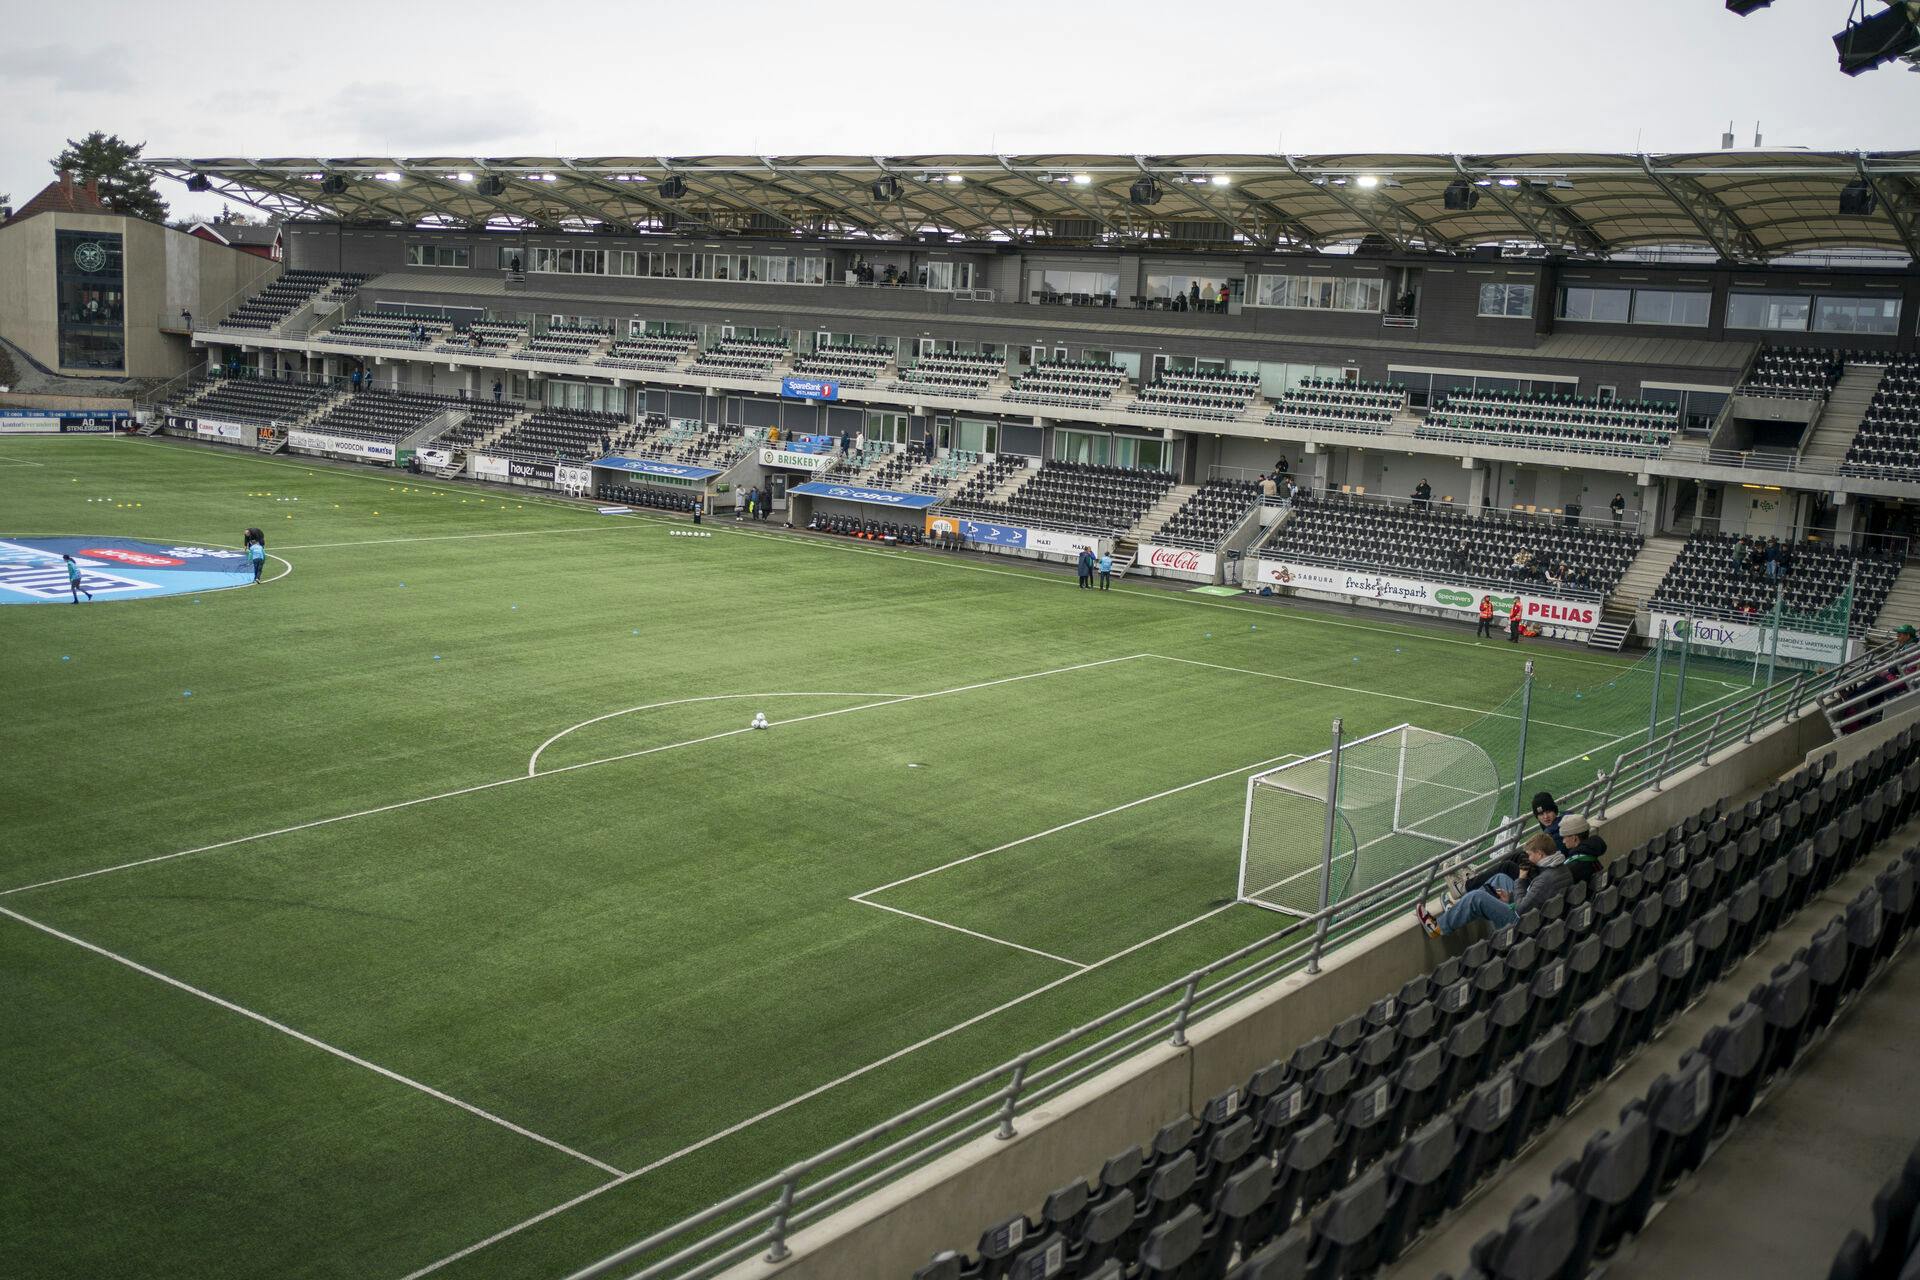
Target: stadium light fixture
[1869, 42]
[673, 188]
[956, 177]
[1509, 182]
[198, 182]
[1858, 199]
[1082, 179]
[886, 189]
[1460, 194]
[463, 177]
[1745, 7]
[1368, 181]
[388, 177]
[1144, 192]
[1221, 180]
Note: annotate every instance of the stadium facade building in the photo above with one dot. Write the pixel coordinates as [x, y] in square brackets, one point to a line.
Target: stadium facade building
[1552, 279]
[87, 292]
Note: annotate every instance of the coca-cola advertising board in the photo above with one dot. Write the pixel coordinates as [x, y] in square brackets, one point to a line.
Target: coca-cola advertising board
[1177, 560]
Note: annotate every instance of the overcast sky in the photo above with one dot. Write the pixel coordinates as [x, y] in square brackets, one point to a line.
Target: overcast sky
[673, 78]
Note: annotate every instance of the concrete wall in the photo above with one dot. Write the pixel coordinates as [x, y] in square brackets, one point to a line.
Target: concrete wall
[165, 271]
[947, 1203]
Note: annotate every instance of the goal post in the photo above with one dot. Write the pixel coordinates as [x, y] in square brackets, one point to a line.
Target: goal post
[1401, 795]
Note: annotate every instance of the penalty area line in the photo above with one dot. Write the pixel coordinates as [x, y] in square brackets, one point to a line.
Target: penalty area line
[314, 1042]
[815, 1092]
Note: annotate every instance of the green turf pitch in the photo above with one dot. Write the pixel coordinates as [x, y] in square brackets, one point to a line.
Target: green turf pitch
[413, 987]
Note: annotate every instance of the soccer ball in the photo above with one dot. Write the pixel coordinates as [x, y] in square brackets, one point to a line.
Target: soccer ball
[759, 720]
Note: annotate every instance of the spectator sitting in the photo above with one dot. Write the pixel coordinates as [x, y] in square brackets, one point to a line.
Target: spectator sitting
[1503, 898]
[1584, 847]
[1423, 496]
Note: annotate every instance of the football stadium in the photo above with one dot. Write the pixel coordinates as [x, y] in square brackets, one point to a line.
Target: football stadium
[963, 716]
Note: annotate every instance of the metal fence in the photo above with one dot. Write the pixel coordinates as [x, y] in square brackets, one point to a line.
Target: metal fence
[762, 1217]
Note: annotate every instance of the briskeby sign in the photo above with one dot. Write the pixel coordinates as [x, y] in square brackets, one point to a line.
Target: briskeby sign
[1541, 611]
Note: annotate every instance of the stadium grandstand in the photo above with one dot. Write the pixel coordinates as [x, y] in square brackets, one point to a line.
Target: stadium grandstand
[667, 811]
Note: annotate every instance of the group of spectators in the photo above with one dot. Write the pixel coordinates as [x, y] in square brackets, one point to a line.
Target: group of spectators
[1527, 566]
[1565, 851]
[1754, 557]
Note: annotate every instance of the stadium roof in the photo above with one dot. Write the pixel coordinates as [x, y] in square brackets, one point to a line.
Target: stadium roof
[1748, 206]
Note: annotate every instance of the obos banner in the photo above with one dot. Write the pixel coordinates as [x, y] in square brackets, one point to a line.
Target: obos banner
[994, 535]
[810, 388]
[793, 459]
[1746, 638]
[219, 430]
[379, 450]
[1542, 611]
[1177, 560]
[1060, 544]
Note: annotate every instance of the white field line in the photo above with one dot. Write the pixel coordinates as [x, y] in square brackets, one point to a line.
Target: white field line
[864, 894]
[810, 1094]
[306, 1039]
[19, 462]
[609, 527]
[841, 711]
[1369, 693]
[522, 777]
[676, 702]
[971, 933]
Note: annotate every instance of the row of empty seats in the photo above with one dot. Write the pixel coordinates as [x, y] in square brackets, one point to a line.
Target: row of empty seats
[1499, 550]
[640, 496]
[1084, 383]
[1082, 495]
[385, 415]
[978, 488]
[1724, 575]
[1794, 371]
[1217, 395]
[954, 373]
[741, 356]
[845, 362]
[649, 352]
[1210, 514]
[484, 417]
[260, 401]
[1332, 1160]
[575, 435]
[280, 299]
[378, 328]
[1888, 441]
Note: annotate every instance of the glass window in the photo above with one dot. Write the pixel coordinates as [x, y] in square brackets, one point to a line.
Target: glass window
[436, 255]
[1059, 283]
[1666, 306]
[1320, 293]
[1856, 315]
[1507, 300]
[91, 300]
[1768, 311]
[1611, 306]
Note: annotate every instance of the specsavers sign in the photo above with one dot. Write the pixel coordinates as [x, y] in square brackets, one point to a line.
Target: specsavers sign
[1541, 611]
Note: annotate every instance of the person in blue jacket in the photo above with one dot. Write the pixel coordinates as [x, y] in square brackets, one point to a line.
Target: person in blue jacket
[1106, 570]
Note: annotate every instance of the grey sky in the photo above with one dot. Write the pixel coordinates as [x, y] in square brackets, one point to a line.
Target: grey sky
[653, 78]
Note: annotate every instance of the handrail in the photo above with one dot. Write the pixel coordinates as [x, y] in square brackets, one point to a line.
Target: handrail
[992, 1100]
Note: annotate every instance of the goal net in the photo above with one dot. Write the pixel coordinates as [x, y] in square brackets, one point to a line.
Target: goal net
[1403, 795]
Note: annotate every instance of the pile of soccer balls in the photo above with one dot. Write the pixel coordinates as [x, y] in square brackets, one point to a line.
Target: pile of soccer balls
[759, 720]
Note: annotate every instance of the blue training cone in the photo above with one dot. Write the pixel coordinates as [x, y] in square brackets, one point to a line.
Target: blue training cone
[186, 693]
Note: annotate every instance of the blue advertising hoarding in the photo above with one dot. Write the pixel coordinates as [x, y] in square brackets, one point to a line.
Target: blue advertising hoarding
[999, 535]
[810, 388]
[649, 467]
[871, 497]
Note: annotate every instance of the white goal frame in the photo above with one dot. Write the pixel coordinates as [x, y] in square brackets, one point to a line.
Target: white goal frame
[1308, 783]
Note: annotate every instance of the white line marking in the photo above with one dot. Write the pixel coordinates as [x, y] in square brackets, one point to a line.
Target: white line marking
[456, 537]
[984, 937]
[19, 462]
[522, 777]
[811, 1094]
[1370, 693]
[675, 702]
[864, 894]
[306, 1039]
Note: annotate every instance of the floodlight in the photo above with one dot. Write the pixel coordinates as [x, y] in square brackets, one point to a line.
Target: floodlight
[673, 188]
[1144, 191]
[1870, 42]
[1460, 194]
[1858, 199]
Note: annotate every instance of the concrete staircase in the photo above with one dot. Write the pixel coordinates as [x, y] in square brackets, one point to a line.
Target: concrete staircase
[1839, 422]
[1635, 588]
[1160, 512]
[1903, 600]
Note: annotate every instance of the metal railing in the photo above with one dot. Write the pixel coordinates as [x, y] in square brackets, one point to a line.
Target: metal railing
[764, 1215]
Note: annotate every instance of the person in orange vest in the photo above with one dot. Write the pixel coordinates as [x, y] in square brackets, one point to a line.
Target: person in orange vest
[1513, 622]
[1486, 618]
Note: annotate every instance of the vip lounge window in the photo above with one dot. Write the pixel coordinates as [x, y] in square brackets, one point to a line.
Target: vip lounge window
[1607, 306]
[1856, 315]
[436, 255]
[1510, 301]
[1318, 293]
[91, 300]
